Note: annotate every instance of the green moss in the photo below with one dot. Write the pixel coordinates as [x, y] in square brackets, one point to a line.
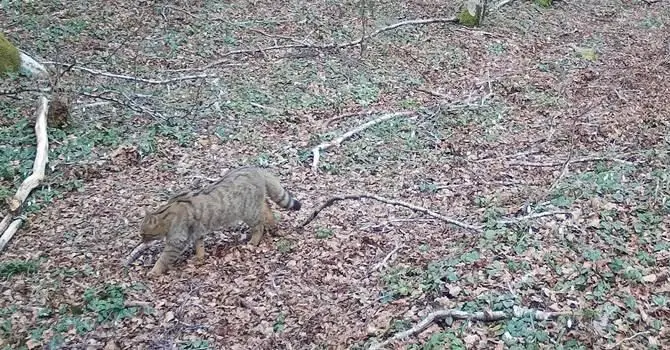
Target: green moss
[543, 3]
[10, 59]
[466, 19]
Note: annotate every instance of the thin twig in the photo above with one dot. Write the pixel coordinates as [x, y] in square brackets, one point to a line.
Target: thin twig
[508, 156]
[474, 228]
[350, 114]
[272, 109]
[483, 316]
[330, 46]
[433, 93]
[398, 25]
[130, 104]
[426, 211]
[388, 256]
[181, 10]
[326, 145]
[500, 4]
[579, 160]
[533, 216]
[619, 343]
[127, 77]
[573, 132]
[441, 106]
[564, 170]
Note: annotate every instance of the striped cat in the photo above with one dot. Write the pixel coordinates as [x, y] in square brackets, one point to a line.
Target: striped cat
[187, 217]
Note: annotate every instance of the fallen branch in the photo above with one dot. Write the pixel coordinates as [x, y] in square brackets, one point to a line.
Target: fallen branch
[328, 46]
[619, 343]
[533, 216]
[326, 145]
[500, 4]
[41, 158]
[5, 222]
[383, 263]
[474, 228]
[9, 233]
[435, 108]
[135, 253]
[579, 160]
[332, 200]
[31, 66]
[32, 181]
[484, 316]
[398, 25]
[350, 114]
[132, 105]
[127, 77]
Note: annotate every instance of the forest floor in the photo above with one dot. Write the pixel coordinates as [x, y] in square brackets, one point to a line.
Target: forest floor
[538, 110]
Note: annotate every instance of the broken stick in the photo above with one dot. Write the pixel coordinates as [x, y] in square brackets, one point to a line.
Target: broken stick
[330, 201]
[32, 181]
[41, 158]
[135, 253]
[336, 142]
[483, 316]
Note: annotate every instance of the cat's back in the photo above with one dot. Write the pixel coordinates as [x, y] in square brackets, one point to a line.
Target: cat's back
[244, 178]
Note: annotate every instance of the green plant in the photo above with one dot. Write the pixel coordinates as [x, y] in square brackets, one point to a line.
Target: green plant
[280, 323]
[323, 233]
[16, 267]
[194, 344]
[284, 246]
[108, 303]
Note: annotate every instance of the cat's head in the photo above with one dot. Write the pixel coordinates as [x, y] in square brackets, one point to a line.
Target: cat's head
[153, 227]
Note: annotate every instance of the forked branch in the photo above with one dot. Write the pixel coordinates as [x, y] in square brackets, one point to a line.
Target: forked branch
[332, 200]
[300, 45]
[316, 151]
[471, 227]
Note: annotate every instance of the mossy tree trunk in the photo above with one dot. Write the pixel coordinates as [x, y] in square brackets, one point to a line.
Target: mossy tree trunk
[10, 57]
[472, 13]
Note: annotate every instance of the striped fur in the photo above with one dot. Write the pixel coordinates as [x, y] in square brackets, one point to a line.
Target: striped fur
[240, 196]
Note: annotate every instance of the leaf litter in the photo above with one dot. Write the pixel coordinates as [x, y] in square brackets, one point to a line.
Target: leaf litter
[320, 286]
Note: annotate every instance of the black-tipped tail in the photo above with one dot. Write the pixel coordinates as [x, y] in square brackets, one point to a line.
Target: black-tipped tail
[295, 204]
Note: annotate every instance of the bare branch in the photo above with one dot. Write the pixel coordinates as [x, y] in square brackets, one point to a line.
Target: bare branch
[41, 158]
[135, 253]
[435, 107]
[384, 262]
[500, 4]
[9, 233]
[579, 160]
[130, 104]
[483, 316]
[533, 216]
[474, 228]
[332, 200]
[350, 114]
[127, 77]
[328, 46]
[326, 145]
[32, 181]
[619, 343]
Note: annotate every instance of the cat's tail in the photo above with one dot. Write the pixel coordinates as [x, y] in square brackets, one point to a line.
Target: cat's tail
[279, 194]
